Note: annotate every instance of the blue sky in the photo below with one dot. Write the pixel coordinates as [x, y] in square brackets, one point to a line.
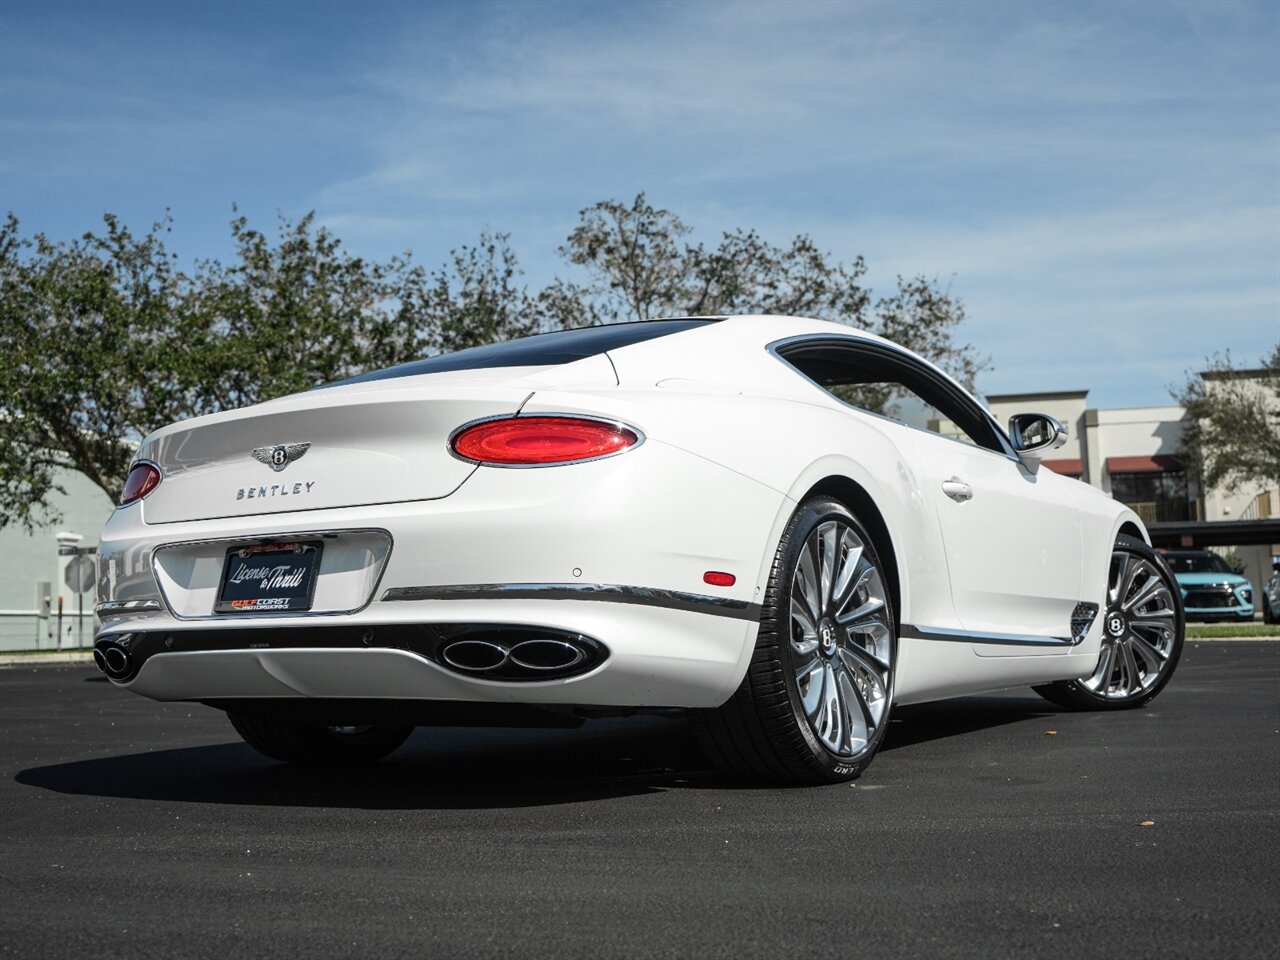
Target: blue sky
[1100, 183]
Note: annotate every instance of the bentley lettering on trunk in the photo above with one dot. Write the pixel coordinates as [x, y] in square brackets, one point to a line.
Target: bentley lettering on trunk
[275, 490]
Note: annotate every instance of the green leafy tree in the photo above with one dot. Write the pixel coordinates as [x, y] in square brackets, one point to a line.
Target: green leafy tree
[85, 332]
[291, 314]
[475, 299]
[1232, 434]
[640, 267]
[103, 339]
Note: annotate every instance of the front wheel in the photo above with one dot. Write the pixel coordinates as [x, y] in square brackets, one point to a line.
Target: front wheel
[316, 745]
[1142, 635]
[814, 705]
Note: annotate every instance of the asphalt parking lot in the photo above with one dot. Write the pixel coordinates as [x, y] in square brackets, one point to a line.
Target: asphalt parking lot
[987, 827]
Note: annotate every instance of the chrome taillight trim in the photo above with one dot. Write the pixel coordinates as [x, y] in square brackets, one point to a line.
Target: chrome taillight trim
[134, 466]
[563, 415]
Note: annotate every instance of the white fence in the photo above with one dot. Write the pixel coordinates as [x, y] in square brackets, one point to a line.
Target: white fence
[28, 630]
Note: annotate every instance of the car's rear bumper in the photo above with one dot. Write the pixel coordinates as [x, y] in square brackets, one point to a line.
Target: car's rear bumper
[614, 551]
[646, 655]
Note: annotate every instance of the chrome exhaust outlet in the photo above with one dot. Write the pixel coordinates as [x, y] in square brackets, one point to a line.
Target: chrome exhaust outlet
[474, 656]
[512, 653]
[548, 655]
[113, 659]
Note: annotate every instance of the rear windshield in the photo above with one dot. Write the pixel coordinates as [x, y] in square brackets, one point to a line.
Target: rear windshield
[540, 350]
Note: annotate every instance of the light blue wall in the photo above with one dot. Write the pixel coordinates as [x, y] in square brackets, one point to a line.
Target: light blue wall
[27, 558]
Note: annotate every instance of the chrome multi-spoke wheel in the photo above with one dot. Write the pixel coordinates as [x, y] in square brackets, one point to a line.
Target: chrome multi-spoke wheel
[814, 705]
[1138, 629]
[1142, 631]
[841, 638]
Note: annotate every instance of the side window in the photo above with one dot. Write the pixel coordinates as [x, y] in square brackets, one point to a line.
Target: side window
[885, 382]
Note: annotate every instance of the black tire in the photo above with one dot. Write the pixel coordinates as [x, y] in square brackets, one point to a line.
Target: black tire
[1137, 660]
[318, 745]
[764, 732]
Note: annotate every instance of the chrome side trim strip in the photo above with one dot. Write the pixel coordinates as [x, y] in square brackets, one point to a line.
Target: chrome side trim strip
[607, 592]
[917, 632]
[133, 606]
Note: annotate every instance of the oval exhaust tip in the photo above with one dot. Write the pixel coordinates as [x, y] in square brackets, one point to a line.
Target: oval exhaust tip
[99, 660]
[475, 656]
[116, 659]
[546, 655]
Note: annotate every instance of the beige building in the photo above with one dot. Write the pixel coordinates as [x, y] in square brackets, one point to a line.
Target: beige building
[1128, 452]
[1133, 453]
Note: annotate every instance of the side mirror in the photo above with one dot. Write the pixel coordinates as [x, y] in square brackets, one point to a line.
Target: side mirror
[1035, 436]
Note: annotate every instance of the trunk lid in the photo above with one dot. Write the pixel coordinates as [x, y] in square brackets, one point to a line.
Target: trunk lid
[334, 447]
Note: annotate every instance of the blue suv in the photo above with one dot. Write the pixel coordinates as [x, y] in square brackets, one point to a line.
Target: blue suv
[1211, 590]
[1271, 594]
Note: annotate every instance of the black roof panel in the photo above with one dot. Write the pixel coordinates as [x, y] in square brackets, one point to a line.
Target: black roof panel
[539, 350]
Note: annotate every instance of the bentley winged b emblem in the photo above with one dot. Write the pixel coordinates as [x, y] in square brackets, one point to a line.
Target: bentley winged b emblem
[281, 455]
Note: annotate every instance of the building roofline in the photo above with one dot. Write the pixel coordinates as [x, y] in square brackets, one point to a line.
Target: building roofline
[1049, 395]
[1257, 373]
[1152, 406]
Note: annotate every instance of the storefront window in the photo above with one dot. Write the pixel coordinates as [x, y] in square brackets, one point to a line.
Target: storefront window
[1155, 496]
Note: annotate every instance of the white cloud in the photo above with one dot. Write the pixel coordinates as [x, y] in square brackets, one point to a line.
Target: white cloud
[1104, 178]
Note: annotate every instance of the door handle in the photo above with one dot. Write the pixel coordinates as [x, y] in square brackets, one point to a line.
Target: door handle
[957, 490]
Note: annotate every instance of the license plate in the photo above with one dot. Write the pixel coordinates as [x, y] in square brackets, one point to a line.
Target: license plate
[269, 578]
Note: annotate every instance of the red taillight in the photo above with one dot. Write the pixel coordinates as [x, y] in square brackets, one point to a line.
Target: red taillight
[537, 441]
[142, 479]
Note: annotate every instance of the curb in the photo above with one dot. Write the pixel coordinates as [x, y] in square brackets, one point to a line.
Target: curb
[1232, 639]
[40, 659]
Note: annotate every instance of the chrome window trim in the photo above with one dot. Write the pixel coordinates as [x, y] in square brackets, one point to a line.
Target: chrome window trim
[601, 592]
[1007, 451]
[327, 533]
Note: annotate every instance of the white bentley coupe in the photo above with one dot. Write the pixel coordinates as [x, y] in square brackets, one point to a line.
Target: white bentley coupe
[691, 513]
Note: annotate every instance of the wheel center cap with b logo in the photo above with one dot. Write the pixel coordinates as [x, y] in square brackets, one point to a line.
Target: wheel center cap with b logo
[827, 636]
[1115, 624]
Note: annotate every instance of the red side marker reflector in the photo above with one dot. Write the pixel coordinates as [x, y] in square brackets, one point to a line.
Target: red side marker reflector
[718, 579]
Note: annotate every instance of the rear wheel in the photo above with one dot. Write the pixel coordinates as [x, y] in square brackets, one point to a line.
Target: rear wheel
[1142, 635]
[814, 705]
[319, 745]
